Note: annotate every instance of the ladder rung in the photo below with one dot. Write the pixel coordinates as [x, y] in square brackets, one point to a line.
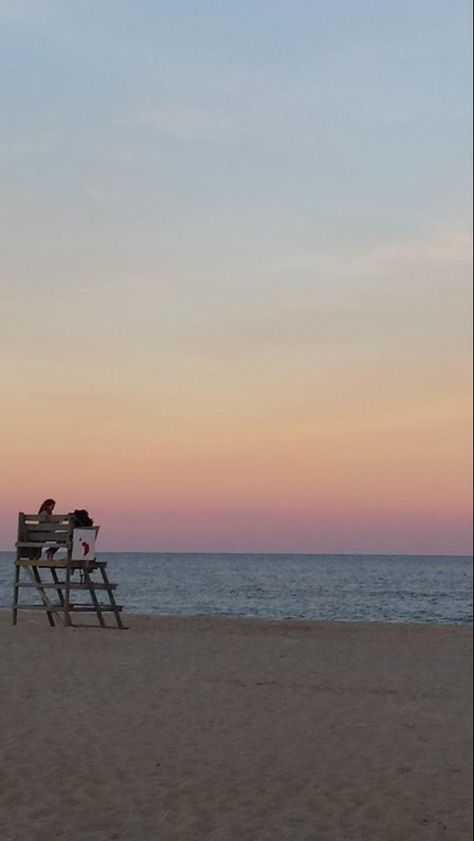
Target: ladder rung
[59, 608]
[90, 608]
[61, 585]
[29, 562]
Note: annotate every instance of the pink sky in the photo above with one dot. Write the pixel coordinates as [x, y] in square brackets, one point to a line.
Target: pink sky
[384, 478]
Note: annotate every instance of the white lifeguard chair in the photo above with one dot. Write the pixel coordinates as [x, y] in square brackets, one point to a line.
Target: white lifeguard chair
[37, 544]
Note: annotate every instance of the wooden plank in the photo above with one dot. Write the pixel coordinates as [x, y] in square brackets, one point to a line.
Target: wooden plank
[62, 564]
[21, 526]
[51, 536]
[39, 544]
[52, 607]
[46, 542]
[52, 518]
[47, 526]
[90, 608]
[66, 602]
[16, 594]
[97, 585]
[78, 608]
[41, 563]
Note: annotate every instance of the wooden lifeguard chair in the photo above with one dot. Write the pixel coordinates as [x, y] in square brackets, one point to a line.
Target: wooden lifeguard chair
[36, 537]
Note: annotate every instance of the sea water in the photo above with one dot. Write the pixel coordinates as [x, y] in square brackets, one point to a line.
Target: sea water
[370, 588]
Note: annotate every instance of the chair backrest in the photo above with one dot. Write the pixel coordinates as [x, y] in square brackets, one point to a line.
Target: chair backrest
[58, 529]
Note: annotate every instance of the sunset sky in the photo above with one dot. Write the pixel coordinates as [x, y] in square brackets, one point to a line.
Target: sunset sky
[235, 263]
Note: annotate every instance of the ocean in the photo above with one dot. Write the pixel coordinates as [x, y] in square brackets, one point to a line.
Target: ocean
[369, 588]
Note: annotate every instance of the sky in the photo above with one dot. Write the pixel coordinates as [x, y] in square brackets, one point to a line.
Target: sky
[235, 264]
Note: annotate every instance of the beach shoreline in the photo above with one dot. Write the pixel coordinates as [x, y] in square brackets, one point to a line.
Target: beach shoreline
[199, 728]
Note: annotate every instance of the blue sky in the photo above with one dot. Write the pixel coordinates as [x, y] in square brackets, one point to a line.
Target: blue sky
[302, 118]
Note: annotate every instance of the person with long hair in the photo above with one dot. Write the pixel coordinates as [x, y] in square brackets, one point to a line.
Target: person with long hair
[45, 514]
[46, 510]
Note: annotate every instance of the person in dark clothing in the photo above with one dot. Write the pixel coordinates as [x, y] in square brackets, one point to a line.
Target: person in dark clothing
[82, 519]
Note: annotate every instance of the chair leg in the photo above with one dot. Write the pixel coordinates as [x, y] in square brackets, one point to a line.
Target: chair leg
[66, 602]
[16, 593]
[118, 618]
[94, 598]
[55, 578]
[37, 579]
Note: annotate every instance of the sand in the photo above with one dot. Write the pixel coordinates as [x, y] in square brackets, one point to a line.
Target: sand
[198, 729]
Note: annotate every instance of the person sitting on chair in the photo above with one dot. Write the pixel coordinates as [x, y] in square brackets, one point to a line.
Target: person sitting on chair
[45, 515]
[45, 512]
[82, 519]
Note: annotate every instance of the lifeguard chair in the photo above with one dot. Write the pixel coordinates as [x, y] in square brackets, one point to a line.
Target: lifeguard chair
[37, 544]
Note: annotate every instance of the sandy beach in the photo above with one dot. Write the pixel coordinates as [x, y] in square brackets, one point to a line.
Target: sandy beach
[199, 729]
